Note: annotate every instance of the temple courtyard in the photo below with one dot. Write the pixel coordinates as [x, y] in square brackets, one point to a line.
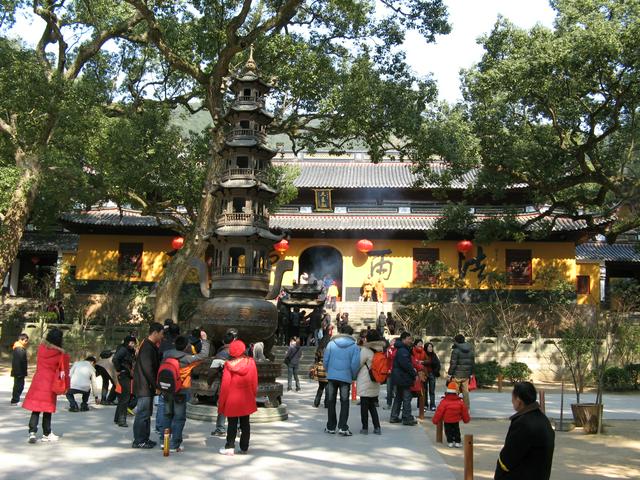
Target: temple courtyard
[91, 446]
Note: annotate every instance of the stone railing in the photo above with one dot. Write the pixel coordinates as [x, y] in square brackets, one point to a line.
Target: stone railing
[246, 133]
[227, 219]
[243, 174]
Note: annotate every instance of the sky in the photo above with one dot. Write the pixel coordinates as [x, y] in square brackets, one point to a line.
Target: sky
[469, 19]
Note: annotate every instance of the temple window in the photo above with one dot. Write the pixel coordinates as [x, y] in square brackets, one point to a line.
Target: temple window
[519, 268]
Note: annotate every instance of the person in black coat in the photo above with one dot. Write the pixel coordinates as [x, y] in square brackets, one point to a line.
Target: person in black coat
[432, 368]
[461, 365]
[528, 449]
[403, 376]
[19, 367]
[123, 363]
[145, 373]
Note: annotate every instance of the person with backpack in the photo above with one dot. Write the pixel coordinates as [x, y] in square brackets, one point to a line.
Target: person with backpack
[452, 410]
[367, 382]
[292, 361]
[145, 374]
[171, 332]
[176, 367]
[123, 364]
[341, 361]
[403, 376]
[52, 372]
[238, 396]
[19, 367]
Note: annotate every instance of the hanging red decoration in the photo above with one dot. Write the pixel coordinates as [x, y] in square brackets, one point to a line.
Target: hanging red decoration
[282, 246]
[364, 245]
[35, 260]
[464, 246]
[177, 243]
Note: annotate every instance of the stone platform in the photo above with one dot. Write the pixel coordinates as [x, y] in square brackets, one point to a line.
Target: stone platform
[209, 413]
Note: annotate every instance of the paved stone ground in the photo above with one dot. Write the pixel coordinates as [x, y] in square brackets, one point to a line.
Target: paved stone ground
[91, 446]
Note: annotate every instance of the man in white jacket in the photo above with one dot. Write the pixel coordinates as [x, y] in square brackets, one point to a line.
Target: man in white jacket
[83, 381]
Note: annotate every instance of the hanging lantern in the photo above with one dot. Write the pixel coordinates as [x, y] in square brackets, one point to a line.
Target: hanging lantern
[464, 246]
[35, 260]
[282, 246]
[177, 243]
[364, 245]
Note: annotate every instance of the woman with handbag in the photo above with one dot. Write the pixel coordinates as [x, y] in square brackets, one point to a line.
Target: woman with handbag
[51, 379]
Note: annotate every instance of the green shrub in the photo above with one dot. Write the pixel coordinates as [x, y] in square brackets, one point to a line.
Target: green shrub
[517, 372]
[486, 373]
[617, 379]
[634, 372]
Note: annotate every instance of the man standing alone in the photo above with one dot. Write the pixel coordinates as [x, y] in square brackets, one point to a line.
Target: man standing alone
[145, 375]
[461, 365]
[341, 362]
[19, 367]
[528, 449]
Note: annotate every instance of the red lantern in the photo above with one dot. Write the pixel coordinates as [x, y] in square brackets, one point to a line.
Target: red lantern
[35, 260]
[364, 245]
[177, 243]
[282, 246]
[464, 246]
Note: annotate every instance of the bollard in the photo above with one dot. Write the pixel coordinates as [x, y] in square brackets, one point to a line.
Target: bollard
[354, 392]
[468, 457]
[542, 401]
[439, 429]
[421, 399]
[500, 377]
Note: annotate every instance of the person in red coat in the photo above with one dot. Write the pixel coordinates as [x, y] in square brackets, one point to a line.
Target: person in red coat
[237, 399]
[452, 409]
[41, 397]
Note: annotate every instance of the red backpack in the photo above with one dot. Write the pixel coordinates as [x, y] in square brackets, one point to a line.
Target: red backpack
[169, 379]
[379, 368]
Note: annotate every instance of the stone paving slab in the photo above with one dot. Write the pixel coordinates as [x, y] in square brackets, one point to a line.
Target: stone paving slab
[91, 446]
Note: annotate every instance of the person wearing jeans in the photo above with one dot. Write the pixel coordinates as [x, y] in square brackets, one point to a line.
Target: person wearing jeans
[341, 361]
[432, 368]
[145, 374]
[368, 388]
[292, 360]
[404, 376]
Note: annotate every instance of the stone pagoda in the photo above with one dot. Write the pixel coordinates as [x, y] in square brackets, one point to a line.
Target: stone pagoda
[241, 239]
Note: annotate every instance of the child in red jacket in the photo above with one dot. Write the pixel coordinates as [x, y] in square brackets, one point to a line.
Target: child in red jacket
[452, 409]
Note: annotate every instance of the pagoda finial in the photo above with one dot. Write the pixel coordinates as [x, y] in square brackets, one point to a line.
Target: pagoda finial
[251, 63]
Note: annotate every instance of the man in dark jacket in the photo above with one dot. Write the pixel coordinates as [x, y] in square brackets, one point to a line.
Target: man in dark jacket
[123, 365]
[403, 376]
[528, 449]
[171, 333]
[461, 365]
[19, 367]
[145, 374]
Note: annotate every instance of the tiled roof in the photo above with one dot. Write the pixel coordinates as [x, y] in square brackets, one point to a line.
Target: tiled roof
[49, 242]
[114, 217]
[618, 252]
[381, 222]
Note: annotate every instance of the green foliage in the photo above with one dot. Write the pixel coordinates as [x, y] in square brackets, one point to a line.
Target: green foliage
[553, 287]
[576, 346]
[517, 372]
[281, 178]
[627, 346]
[633, 369]
[618, 379]
[486, 373]
[455, 219]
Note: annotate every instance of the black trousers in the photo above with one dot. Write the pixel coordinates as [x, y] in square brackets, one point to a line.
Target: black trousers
[368, 406]
[452, 431]
[18, 387]
[232, 431]
[107, 395]
[123, 399]
[35, 419]
[321, 387]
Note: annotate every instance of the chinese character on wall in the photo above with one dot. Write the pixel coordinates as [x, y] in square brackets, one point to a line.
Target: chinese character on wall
[323, 200]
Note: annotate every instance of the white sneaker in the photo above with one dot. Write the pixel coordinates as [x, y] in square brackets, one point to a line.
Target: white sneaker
[227, 451]
[458, 445]
[32, 437]
[52, 437]
[450, 444]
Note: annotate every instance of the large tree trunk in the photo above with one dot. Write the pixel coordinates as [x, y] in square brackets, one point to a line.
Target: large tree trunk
[168, 291]
[19, 211]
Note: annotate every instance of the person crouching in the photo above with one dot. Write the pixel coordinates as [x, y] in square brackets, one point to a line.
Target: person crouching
[238, 396]
[452, 409]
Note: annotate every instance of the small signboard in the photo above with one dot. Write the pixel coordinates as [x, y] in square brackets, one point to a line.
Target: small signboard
[323, 200]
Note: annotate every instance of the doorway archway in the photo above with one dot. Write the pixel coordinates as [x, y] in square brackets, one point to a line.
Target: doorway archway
[321, 261]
